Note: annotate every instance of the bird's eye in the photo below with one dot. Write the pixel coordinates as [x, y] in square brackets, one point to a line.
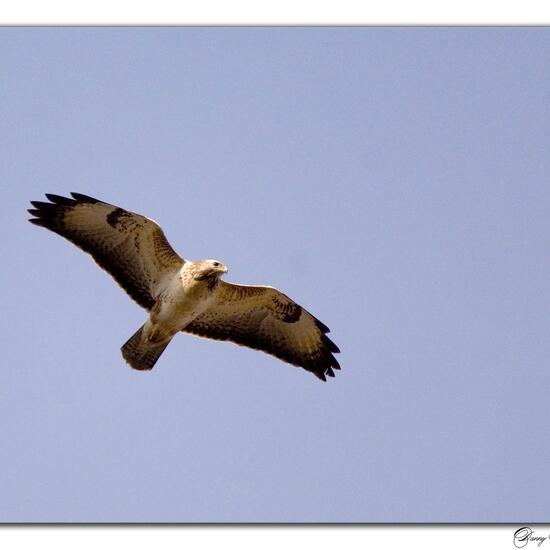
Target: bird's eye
[216, 264]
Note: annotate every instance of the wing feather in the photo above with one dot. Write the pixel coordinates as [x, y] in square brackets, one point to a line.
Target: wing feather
[131, 247]
[265, 319]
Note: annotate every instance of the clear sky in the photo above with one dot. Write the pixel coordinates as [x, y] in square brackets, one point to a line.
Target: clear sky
[395, 182]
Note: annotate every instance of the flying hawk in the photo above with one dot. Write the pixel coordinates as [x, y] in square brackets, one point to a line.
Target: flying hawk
[181, 295]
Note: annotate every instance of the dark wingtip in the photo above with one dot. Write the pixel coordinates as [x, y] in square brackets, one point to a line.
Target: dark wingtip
[41, 204]
[321, 326]
[38, 221]
[58, 199]
[84, 198]
[330, 345]
[325, 361]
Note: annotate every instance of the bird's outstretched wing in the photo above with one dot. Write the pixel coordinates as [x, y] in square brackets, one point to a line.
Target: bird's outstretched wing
[131, 247]
[265, 319]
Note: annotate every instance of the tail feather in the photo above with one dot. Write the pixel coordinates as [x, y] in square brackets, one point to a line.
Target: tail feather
[141, 355]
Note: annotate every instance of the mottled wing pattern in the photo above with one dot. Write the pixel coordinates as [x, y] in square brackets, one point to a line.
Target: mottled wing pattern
[131, 247]
[265, 319]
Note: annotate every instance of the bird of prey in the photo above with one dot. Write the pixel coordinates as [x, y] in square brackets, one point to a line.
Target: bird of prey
[181, 295]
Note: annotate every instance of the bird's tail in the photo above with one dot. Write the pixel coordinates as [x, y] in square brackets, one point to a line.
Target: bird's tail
[140, 354]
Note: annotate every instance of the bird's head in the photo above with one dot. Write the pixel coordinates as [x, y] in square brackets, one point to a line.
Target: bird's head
[208, 269]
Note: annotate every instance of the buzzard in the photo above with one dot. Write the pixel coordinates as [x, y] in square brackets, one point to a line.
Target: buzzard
[181, 295]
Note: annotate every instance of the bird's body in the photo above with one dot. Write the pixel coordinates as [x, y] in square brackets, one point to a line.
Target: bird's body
[182, 301]
[182, 295]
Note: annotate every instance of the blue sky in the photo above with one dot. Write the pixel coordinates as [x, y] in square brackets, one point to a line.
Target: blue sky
[394, 181]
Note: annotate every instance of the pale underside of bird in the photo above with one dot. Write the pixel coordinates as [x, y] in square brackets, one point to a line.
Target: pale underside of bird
[181, 295]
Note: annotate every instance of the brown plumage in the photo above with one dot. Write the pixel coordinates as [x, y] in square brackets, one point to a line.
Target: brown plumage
[182, 295]
[265, 319]
[118, 240]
